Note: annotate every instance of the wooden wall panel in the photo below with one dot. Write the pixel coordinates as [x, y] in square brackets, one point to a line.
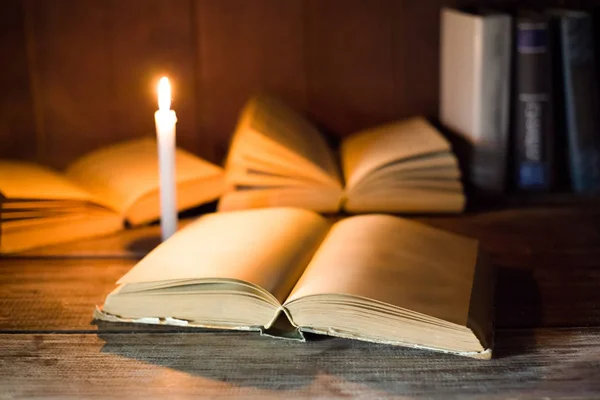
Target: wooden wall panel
[73, 68]
[416, 56]
[149, 39]
[245, 47]
[17, 127]
[350, 63]
[81, 73]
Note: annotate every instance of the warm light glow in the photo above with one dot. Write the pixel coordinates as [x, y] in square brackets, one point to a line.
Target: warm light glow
[164, 94]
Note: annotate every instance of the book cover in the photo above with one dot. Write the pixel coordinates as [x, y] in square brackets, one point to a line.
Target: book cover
[475, 76]
[534, 124]
[580, 88]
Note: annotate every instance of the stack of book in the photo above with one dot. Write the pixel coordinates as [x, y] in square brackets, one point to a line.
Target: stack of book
[522, 90]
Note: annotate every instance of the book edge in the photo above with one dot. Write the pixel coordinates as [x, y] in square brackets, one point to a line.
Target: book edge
[481, 315]
[101, 315]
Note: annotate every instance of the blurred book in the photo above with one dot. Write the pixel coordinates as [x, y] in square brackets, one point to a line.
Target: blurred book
[576, 67]
[278, 158]
[475, 90]
[96, 195]
[534, 122]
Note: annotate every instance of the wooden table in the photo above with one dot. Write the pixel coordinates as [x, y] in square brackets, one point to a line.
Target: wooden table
[547, 337]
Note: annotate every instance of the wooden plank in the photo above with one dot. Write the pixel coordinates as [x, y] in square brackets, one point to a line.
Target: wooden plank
[55, 295]
[149, 39]
[245, 47]
[17, 128]
[416, 56]
[542, 363]
[73, 68]
[350, 71]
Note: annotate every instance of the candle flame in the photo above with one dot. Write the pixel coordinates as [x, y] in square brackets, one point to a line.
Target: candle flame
[164, 94]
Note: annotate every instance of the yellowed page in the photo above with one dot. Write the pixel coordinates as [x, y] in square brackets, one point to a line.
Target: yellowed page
[366, 151]
[395, 261]
[408, 200]
[121, 174]
[443, 165]
[276, 121]
[394, 187]
[50, 231]
[320, 199]
[244, 177]
[269, 248]
[20, 180]
[250, 150]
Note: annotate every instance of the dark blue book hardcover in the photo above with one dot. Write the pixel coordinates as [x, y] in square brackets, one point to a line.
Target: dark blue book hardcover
[533, 119]
[581, 99]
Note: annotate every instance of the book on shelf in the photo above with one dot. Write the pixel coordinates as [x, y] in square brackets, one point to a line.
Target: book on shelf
[96, 194]
[287, 271]
[278, 158]
[576, 67]
[475, 72]
[534, 122]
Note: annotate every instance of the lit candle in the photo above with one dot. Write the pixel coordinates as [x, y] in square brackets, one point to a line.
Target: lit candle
[165, 119]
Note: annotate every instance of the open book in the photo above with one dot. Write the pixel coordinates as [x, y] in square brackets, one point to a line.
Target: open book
[96, 194]
[285, 271]
[277, 158]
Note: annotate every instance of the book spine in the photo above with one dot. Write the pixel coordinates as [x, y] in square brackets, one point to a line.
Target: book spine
[533, 127]
[581, 103]
[489, 156]
[476, 53]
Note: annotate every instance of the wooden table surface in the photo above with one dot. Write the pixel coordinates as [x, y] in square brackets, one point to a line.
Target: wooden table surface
[547, 336]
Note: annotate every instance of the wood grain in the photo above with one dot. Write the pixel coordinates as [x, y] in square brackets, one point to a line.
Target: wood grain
[350, 71]
[83, 75]
[55, 295]
[72, 54]
[416, 56]
[17, 128]
[246, 47]
[552, 363]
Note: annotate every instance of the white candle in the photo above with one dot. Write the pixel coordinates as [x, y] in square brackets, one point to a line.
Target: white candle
[165, 119]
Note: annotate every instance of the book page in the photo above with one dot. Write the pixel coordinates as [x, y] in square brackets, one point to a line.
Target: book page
[269, 248]
[319, 199]
[21, 180]
[121, 174]
[366, 151]
[408, 200]
[280, 124]
[395, 261]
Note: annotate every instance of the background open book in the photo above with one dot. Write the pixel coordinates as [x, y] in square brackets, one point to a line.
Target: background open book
[277, 158]
[285, 271]
[96, 194]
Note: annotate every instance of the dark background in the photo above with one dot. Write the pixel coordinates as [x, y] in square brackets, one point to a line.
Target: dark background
[79, 74]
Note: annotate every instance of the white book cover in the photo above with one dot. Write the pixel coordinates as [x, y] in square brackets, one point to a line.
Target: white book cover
[475, 70]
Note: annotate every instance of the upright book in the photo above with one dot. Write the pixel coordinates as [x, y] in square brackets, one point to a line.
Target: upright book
[96, 194]
[277, 158]
[286, 271]
[578, 76]
[534, 123]
[475, 71]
